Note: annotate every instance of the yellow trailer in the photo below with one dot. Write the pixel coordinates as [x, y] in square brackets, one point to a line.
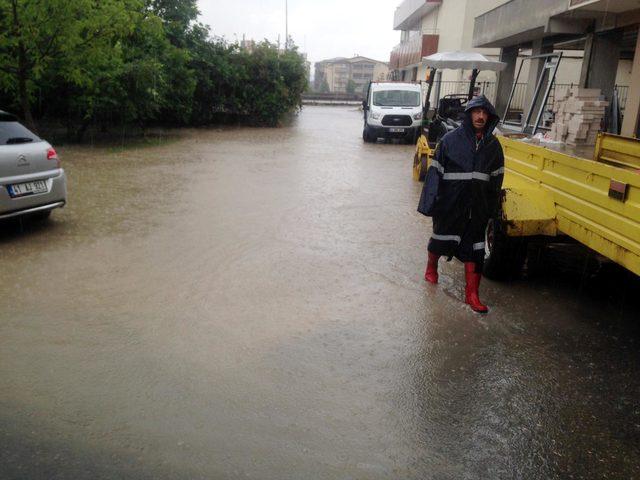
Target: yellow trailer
[548, 193]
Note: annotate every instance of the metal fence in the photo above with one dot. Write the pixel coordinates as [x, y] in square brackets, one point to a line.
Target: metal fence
[488, 89]
[559, 90]
[442, 88]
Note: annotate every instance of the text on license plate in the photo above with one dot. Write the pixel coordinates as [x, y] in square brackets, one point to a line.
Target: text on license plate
[396, 130]
[27, 188]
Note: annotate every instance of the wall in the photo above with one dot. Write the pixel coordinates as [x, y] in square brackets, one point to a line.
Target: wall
[380, 72]
[328, 71]
[341, 75]
[336, 79]
[454, 21]
[624, 72]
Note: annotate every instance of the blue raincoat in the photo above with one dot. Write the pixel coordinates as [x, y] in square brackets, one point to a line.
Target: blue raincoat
[463, 186]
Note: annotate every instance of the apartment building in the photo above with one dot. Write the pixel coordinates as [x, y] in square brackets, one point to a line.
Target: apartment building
[486, 26]
[430, 26]
[348, 75]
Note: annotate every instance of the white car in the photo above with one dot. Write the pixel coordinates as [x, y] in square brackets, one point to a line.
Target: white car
[32, 181]
[392, 110]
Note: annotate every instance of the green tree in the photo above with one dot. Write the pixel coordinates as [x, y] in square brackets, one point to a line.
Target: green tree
[182, 32]
[274, 83]
[121, 62]
[351, 87]
[128, 86]
[77, 38]
[219, 77]
[260, 86]
[178, 17]
[157, 78]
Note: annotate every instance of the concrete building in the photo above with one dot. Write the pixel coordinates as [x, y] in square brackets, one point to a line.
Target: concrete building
[430, 26]
[603, 33]
[338, 75]
[585, 31]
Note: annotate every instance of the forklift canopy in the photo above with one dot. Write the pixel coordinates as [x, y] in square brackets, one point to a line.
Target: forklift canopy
[463, 60]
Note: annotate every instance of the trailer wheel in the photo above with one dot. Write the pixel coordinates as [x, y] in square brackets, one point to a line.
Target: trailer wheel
[419, 167]
[504, 255]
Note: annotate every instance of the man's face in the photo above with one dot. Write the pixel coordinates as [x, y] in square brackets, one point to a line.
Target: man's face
[479, 118]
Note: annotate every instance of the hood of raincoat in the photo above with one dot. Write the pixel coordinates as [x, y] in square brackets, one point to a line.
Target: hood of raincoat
[481, 102]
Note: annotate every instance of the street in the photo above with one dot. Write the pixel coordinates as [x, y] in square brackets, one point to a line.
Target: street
[250, 303]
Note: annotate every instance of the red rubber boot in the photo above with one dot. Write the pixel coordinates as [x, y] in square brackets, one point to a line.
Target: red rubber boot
[471, 291]
[431, 275]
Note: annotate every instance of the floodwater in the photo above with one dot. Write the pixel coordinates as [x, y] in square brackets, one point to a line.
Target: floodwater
[249, 303]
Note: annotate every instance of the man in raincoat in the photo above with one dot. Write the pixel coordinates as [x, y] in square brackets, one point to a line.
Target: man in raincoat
[461, 193]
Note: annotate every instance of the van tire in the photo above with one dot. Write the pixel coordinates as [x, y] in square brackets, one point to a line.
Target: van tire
[504, 255]
[366, 136]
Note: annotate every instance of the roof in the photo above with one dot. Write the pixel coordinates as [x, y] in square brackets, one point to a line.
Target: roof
[335, 60]
[417, 86]
[464, 60]
[365, 59]
[355, 59]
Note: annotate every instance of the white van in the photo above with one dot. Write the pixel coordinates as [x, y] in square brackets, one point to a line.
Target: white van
[392, 110]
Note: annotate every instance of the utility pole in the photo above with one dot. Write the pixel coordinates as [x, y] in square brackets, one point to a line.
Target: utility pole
[286, 24]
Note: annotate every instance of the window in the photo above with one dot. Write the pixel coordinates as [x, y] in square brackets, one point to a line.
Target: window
[396, 98]
[11, 132]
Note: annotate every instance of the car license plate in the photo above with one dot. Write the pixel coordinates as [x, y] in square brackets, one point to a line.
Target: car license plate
[396, 130]
[27, 188]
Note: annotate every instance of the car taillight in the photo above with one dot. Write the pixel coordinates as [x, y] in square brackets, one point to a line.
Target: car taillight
[52, 155]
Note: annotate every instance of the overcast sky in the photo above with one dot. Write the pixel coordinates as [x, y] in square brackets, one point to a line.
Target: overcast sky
[322, 28]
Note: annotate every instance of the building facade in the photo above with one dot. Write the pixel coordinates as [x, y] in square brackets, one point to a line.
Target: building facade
[431, 26]
[603, 33]
[515, 30]
[348, 75]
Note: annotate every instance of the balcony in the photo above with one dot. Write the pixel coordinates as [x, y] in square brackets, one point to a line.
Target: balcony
[619, 6]
[412, 51]
[506, 24]
[410, 12]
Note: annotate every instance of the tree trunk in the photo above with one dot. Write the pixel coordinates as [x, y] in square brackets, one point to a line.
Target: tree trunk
[23, 95]
[82, 129]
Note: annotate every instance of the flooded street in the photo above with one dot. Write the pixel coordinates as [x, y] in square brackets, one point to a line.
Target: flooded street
[250, 303]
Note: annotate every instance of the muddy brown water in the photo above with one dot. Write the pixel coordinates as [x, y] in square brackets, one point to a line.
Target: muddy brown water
[247, 303]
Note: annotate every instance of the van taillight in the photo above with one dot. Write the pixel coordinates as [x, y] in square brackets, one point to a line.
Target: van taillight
[52, 155]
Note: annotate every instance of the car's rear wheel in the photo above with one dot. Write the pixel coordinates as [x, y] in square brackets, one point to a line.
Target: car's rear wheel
[41, 216]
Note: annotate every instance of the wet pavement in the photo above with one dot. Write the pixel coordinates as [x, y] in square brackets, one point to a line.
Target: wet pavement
[249, 303]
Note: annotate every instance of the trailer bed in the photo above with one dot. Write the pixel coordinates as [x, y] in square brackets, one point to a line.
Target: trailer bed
[595, 201]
